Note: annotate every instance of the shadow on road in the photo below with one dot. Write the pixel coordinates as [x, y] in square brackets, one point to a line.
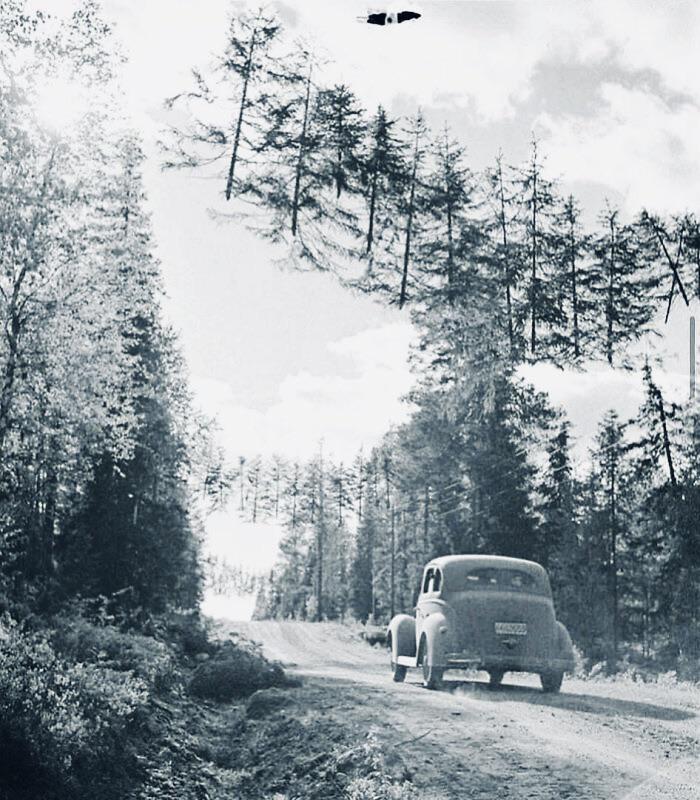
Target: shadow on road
[589, 704]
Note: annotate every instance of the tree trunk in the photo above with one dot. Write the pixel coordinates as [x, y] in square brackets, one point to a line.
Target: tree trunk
[426, 522]
[393, 564]
[613, 565]
[574, 289]
[372, 208]
[450, 254]
[611, 295]
[320, 537]
[239, 123]
[15, 310]
[504, 231]
[8, 383]
[300, 158]
[667, 442]
[409, 228]
[533, 288]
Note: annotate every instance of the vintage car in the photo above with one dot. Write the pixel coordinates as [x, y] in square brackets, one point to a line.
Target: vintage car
[485, 612]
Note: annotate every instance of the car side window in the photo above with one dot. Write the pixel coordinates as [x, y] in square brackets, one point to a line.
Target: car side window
[432, 581]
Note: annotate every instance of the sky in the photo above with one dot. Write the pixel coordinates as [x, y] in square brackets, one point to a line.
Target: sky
[284, 360]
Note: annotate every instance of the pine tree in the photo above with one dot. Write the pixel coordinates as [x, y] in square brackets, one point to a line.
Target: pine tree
[557, 540]
[496, 432]
[132, 534]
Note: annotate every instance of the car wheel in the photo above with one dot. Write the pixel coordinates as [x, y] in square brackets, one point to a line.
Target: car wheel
[398, 672]
[496, 677]
[551, 681]
[432, 676]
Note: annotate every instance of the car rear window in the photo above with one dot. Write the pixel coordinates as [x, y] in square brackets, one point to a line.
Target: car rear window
[503, 579]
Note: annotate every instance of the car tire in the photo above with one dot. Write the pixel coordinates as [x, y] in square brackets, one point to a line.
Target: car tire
[398, 672]
[432, 675]
[551, 681]
[496, 677]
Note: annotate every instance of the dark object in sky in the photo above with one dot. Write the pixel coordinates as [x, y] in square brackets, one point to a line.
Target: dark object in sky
[384, 18]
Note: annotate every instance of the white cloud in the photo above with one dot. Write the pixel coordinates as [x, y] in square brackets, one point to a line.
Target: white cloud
[346, 411]
[654, 36]
[636, 142]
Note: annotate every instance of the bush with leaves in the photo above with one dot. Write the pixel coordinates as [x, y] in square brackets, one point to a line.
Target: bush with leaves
[63, 724]
[148, 659]
[236, 670]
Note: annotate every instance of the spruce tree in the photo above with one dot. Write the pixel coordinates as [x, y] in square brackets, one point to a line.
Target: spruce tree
[609, 462]
[451, 238]
[539, 199]
[341, 121]
[623, 287]
[246, 63]
[508, 253]
[410, 206]
[383, 169]
[570, 246]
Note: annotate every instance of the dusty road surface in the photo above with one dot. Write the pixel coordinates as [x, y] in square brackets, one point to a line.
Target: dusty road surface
[594, 740]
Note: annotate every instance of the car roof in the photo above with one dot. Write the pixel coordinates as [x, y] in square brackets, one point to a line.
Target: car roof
[448, 563]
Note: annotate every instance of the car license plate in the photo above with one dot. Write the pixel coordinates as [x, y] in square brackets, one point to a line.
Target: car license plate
[511, 629]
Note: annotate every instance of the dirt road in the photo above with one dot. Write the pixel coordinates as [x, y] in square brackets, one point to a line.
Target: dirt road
[594, 740]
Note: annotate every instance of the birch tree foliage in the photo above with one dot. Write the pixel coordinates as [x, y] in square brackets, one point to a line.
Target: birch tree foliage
[95, 418]
[45, 278]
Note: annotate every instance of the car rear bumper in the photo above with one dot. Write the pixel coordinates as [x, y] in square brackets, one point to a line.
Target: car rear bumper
[508, 663]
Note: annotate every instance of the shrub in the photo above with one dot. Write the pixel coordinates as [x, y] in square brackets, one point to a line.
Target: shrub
[183, 629]
[106, 645]
[236, 670]
[372, 781]
[63, 723]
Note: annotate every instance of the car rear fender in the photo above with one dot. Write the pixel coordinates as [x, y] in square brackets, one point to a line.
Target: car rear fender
[402, 636]
[565, 646]
[436, 631]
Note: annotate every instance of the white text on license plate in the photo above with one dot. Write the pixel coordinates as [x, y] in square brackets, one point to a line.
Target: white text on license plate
[511, 628]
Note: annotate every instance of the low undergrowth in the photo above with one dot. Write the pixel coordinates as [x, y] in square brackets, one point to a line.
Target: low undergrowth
[90, 709]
